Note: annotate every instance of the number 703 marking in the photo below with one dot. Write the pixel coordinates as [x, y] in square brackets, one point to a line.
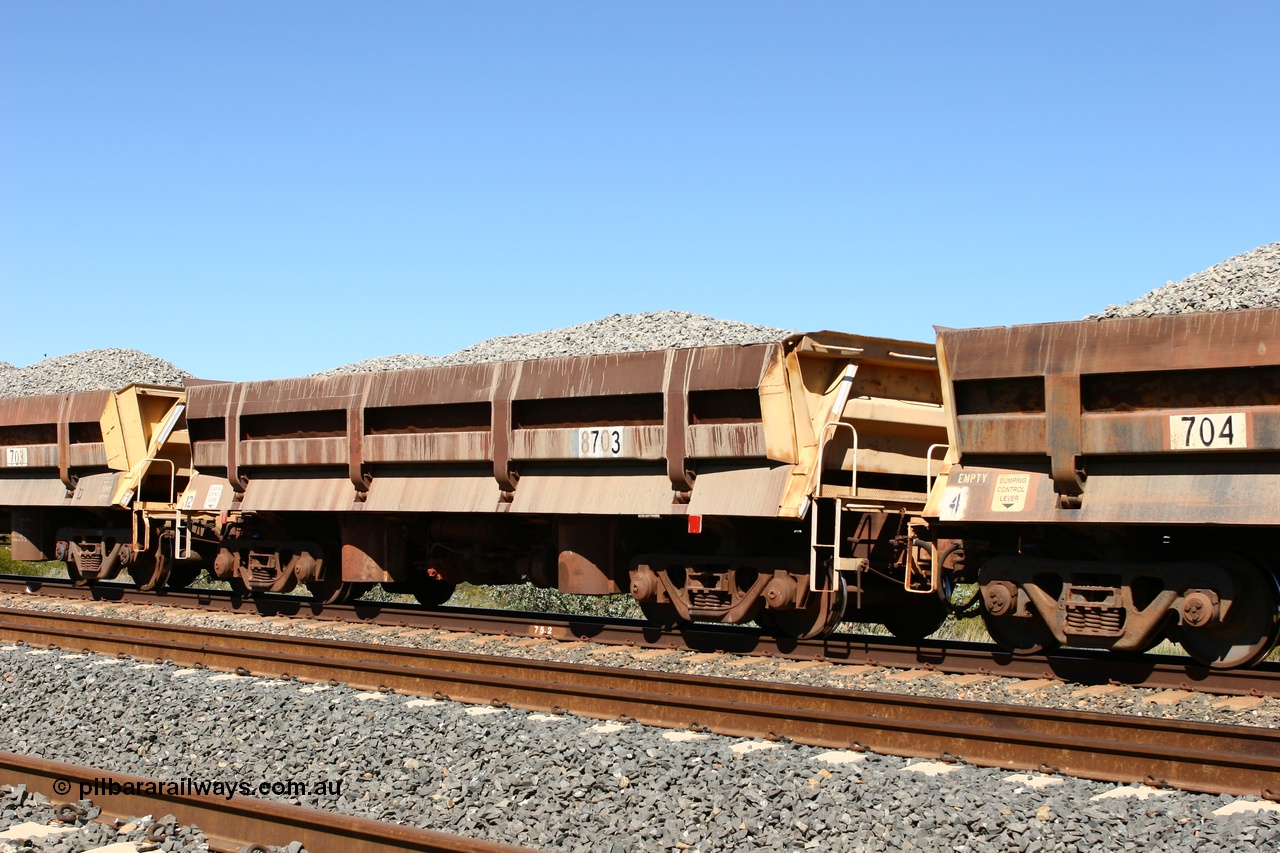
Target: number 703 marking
[598, 442]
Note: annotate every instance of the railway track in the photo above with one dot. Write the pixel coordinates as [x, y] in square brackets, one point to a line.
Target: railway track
[1079, 666]
[1190, 756]
[242, 823]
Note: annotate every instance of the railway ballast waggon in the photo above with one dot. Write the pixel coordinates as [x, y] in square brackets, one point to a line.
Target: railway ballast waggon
[1117, 482]
[775, 483]
[1108, 484]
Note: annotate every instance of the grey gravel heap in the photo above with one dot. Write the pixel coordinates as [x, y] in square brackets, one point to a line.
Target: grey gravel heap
[617, 333]
[1251, 280]
[565, 783]
[91, 370]
[403, 361]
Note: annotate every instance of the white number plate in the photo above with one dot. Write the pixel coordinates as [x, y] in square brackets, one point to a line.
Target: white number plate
[15, 457]
[599, 442]
[1209, 432]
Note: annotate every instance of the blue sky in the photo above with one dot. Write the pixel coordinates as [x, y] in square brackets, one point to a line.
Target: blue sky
[267, 189]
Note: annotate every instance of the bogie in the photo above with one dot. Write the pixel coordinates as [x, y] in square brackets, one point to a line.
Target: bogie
[1222, 608]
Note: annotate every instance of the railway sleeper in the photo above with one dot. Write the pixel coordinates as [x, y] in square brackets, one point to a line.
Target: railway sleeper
[1224, 610]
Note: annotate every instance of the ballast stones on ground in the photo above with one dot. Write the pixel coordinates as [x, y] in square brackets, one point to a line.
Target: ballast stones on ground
[566, 783]
[1262, 711]
[30, 822]
[1250, 280]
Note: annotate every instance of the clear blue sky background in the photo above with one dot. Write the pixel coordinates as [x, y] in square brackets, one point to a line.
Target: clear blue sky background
[267, 189]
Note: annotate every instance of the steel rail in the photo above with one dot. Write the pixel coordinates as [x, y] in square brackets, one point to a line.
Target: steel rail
[1192, 756]
[240, 822]
[1080, 666]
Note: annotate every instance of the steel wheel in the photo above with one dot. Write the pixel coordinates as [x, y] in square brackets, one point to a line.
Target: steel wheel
[1157, 637]
[239, 588]
[150, 572]
[336, 592]
[1252, 625]
[433, 593]
[184, 574]
[77, 579]
[429, 591]
[818, 618]
[1022, 635]
[917, 618]
[660, 615]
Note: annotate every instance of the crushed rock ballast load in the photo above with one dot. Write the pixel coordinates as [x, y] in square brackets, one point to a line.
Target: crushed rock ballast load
[617, 333]
[1251, 280]
[91, 370]
[113, 369]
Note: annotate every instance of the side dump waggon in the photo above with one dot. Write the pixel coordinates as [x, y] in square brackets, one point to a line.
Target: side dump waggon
[1117, 482]
[772, 482]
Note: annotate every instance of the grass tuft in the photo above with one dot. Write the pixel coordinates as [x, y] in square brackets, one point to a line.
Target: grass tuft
[531, 598]
[41, 569]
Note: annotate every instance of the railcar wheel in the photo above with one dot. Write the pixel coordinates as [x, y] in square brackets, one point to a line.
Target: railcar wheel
[239, 588]
[1022, 635]
[184, 574]
[1157, 637]
[1252, 625]
[433, 593]
[914, 622]
[336, 592]
[818, 618]
[660, 615]
[77, 579]
[150, 572]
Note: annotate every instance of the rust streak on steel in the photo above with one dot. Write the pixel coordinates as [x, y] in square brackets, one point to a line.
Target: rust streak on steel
[1192, 756]
[1073, 665]
[241, 821]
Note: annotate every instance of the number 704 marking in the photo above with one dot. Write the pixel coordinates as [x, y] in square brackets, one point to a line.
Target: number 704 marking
[1224, 431]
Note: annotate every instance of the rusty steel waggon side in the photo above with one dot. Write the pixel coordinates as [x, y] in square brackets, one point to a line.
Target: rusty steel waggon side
[773, 482]
[90, 477]
[1105, 483]
[1118, 481]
